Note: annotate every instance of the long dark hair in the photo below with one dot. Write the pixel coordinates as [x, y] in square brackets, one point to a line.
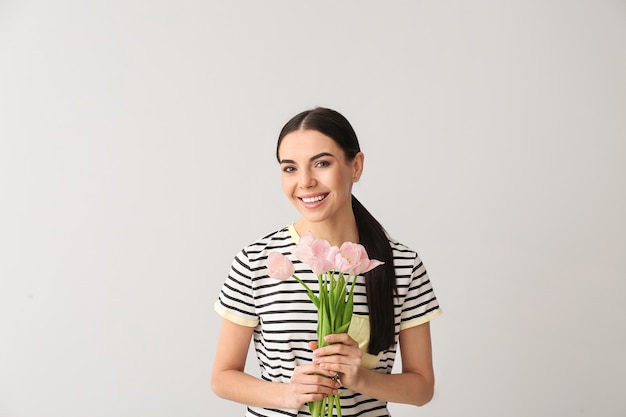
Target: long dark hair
[380, 282]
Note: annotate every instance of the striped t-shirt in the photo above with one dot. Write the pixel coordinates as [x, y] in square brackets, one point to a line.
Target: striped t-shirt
[285, 319]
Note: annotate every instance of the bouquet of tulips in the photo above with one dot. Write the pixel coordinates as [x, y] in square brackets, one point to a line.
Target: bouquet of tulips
[336, 269]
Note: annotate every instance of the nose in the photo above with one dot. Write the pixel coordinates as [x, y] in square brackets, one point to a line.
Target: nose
[306, 179]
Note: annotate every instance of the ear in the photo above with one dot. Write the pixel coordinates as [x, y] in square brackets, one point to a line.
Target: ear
[357, 166]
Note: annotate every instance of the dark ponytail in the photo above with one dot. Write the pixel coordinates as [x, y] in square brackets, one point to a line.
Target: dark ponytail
[380, 282]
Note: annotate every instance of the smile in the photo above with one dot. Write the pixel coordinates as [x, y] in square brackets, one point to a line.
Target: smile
[313, 199]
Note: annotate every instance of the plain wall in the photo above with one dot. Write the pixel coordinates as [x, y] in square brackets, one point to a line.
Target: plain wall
[137, 157]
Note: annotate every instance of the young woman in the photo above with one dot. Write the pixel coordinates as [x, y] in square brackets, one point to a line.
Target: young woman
[320, 159]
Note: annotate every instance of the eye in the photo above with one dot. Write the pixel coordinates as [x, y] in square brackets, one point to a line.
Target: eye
[288, 169]
[322, 164]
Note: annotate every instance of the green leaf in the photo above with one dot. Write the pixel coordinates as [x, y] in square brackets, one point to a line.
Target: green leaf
[343, 328]
[315, 408]
[347, 313]
[309, 293]
[339, 300]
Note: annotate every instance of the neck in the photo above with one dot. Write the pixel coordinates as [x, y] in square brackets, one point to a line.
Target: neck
[335, 233]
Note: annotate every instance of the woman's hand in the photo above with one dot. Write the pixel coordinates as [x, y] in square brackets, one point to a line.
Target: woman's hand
[308, 383]
[343, 357]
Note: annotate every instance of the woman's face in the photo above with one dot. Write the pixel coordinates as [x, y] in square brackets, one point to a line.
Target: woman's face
[316, 176]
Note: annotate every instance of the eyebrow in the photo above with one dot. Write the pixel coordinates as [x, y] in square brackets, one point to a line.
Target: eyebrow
[311, 159]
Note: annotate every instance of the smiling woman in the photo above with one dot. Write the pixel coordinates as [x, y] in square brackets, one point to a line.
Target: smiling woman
[320, 160]
[319, 184]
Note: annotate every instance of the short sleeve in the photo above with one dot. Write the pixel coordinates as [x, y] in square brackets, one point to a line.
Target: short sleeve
[420, 304]
[236, 300]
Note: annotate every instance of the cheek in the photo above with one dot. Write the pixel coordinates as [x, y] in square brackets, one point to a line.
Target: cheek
[287, 186]
[343, 181]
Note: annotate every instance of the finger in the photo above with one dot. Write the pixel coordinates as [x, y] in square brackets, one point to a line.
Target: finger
[338, 364]
[314, 397]
[307, 369]
[311, 374]
[341, 338]
[326, 386]
[313, 345]
[337, 349]
[324, 383]
[315, 384]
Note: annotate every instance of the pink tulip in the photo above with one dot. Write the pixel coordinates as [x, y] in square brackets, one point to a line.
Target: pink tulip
[302, 250]
[348, 257]
[322, 253]
[317, 253]
[353, 259]
[366, 265]
[279, 266]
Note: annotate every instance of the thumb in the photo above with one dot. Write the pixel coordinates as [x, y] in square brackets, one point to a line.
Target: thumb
[313, 345]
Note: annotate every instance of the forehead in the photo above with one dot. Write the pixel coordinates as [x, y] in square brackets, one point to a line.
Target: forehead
[306, 143]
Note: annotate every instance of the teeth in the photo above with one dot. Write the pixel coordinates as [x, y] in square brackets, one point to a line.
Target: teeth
[313, 199]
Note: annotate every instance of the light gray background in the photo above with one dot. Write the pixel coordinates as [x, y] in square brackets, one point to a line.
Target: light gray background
[136, 158]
